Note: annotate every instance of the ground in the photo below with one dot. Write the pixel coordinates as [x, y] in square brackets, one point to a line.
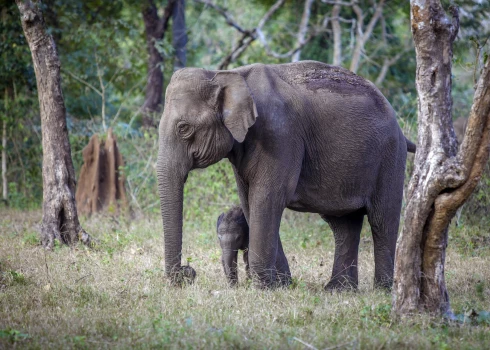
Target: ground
[115, 294]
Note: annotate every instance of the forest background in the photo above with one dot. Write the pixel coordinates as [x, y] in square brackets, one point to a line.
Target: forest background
[104, 56]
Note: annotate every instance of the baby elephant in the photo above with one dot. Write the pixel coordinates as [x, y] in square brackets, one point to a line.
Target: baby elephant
[233, 235]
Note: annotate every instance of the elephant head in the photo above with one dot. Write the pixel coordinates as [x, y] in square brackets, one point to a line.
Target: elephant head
[205, 113]
[233, 233]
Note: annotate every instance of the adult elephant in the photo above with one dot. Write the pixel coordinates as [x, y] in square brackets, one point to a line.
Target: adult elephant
[306, 136]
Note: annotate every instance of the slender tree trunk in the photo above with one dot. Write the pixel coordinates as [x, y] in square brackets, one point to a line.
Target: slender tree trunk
[154, 85]
[60, 219]
[363, 35]
[155, 28]
[179, 34]
[337, 36]
[443, 179]
[4, 162]
[303, 29]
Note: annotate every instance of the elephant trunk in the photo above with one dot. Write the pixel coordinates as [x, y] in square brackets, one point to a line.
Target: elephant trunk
[171, 179]
[230, 265]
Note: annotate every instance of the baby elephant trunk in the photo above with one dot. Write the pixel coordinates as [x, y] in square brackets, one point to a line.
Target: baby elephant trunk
[230, 265]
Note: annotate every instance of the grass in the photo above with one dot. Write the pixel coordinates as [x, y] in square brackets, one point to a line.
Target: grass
[116, 296]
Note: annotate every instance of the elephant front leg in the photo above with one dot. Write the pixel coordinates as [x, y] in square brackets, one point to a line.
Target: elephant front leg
[282, 266]
[347, 232]
[264, 244]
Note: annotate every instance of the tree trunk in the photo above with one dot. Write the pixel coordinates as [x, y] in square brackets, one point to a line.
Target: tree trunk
[179, 34]
[443, 179]
[155, 28]
[4, 162]
[60, 219]
[4, 148]
[337, 36]
[303, 29]
[363, 35]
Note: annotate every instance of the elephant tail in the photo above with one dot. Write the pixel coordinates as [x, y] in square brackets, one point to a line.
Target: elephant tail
[411, 147]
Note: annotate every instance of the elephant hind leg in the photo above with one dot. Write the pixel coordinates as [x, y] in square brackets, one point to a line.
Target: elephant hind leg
[384, 221]
[347, 232]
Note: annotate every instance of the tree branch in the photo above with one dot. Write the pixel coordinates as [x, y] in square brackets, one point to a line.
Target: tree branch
[224, 12]
[84, 82]
[248, 36]
[167, 13]
[341, 3]
[303, 28]
[362, 37]
[387, 63]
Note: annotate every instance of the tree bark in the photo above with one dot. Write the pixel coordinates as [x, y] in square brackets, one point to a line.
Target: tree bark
[443, 179]
[179, 34]
[155, 28]
[60, 219]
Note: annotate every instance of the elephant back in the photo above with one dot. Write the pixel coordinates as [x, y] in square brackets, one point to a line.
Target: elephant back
[320, 77]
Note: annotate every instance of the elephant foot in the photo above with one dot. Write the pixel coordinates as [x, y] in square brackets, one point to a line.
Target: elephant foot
[184, 275]
[341, 283]
[233, 283]
[283, 280]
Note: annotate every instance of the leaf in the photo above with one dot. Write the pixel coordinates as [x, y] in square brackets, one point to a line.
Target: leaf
[13, 335]
[483, 317]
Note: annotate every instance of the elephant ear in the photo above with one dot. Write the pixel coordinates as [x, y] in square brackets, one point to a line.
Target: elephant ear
[236, 104]
[220, 218]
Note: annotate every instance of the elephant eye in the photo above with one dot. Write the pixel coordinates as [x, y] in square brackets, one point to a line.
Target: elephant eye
[184, 129]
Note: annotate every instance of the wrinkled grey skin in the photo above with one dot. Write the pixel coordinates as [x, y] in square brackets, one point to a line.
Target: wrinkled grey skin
[306, 136]
[233, 235]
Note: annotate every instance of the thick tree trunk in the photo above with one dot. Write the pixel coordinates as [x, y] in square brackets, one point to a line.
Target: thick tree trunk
[155, 28]
[179, 34]
[60, 219]
[443, 179]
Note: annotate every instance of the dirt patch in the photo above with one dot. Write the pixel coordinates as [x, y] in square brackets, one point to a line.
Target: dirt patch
[316, 76]
[101, 184]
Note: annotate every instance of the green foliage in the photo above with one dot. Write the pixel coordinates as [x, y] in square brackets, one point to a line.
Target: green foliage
[12, 278]
[377, 314]
[18, 277]
[15, 63]
[102, 48]
[476, 211]
[13, 335]
[471, 240]
[31, 239]
[474, 318]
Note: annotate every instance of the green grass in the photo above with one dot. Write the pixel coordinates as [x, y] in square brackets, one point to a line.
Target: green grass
[116, 296]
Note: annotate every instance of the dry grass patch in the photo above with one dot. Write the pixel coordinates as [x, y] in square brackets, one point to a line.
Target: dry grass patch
[115, 296]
